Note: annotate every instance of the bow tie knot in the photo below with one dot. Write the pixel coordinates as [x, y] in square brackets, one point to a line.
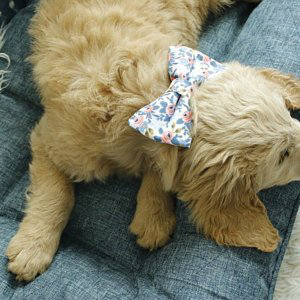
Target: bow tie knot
[181, 86]
[168, 119]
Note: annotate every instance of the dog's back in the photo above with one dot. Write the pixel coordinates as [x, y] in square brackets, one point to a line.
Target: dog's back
[96, 62]
[94, 45]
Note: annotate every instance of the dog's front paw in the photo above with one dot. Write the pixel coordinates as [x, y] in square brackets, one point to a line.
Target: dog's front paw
[153, 231]
[29, 256]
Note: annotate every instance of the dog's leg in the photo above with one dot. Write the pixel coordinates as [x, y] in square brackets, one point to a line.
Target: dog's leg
[50, 201]
[154, 219]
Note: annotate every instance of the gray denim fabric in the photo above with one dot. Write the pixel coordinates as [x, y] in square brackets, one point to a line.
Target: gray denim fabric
[98, 257]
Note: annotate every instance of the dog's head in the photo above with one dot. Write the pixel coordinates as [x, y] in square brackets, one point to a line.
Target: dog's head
[243, 135]
[244, 140]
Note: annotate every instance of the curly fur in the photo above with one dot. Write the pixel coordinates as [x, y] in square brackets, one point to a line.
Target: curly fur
[98, 62]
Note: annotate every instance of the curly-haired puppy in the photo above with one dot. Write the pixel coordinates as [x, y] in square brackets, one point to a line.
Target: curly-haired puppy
[97, 62]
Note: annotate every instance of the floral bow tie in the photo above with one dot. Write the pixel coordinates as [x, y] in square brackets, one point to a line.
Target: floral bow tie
[168, 119]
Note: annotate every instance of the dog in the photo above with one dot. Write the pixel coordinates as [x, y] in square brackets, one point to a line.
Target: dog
[98, 62]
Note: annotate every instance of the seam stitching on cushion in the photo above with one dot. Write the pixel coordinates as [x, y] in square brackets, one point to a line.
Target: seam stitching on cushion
[3, 72]
[198, 286]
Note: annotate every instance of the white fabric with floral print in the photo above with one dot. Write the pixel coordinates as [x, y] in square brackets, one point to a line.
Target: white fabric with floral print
[168, 119]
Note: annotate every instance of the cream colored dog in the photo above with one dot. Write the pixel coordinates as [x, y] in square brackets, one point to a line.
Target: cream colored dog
[96, 62]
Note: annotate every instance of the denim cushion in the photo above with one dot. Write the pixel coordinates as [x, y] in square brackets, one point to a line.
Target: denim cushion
[8, 8]
[98, 257]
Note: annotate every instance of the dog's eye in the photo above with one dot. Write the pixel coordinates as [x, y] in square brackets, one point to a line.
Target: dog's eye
[284, 154]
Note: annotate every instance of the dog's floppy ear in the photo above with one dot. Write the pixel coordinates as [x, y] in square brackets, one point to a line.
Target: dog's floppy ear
[239, 218]
[223, 203]
[166, 163]
[290, 85]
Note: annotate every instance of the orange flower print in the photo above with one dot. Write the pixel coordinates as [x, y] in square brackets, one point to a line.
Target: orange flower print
[170, 110]
[138, 121]
[182, 75]
[206, 59]
[187, 116]
[148, 108]
[167, 137]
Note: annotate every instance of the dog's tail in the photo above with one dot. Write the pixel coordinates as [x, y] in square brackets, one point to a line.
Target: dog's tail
[5, 57]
